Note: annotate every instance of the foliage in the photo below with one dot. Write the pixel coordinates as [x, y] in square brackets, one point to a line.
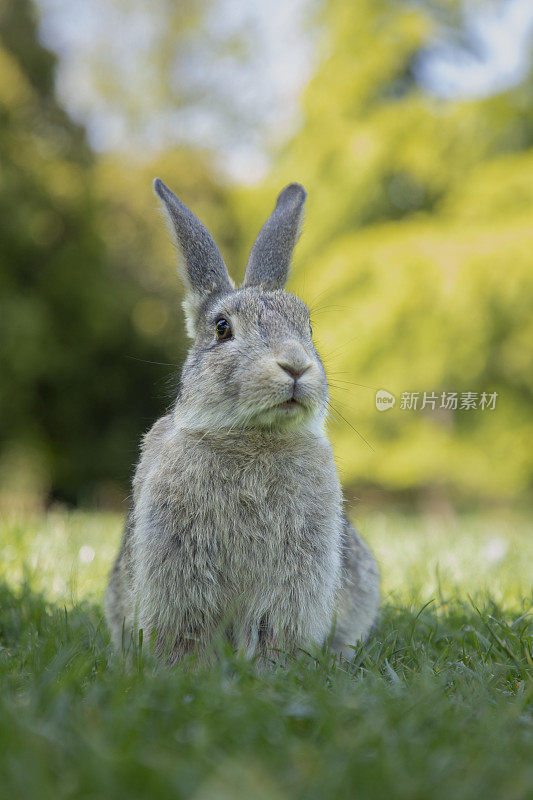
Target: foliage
[84, 302]
[437, 705]
[415, 259]
[416, 255]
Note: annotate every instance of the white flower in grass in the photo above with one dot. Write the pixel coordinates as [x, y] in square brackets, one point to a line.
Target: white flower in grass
[59, 586]
[496, 550]
[86, 554]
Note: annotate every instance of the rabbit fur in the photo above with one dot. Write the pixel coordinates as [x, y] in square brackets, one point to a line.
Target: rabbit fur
[236, 520]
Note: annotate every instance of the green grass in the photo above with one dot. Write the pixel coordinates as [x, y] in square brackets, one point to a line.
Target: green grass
[437, 705]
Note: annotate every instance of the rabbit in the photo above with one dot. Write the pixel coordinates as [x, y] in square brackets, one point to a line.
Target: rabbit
[237, 522]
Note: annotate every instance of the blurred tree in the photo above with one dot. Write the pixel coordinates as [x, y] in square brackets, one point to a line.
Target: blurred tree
[419, 240]
[83, 301]
[418, 247]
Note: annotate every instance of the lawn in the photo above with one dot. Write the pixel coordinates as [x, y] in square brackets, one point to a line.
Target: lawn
[437, 705]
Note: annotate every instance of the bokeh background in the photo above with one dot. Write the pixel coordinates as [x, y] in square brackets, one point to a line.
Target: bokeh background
[411, 126]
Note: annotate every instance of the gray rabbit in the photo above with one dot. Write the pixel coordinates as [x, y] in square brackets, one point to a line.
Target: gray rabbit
[236, 521]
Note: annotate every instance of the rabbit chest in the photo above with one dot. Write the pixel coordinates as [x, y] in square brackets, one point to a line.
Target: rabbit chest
[253, 524]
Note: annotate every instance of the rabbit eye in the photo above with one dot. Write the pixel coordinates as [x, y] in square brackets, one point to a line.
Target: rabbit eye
[223, 329]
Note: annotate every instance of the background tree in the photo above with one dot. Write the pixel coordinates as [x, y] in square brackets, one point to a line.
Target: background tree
[84, 299]
[416, 256]
[419, 239]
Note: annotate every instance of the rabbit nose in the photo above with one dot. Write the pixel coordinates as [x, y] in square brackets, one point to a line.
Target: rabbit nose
[294, 370]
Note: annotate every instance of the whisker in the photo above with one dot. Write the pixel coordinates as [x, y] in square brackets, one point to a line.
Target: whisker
[336, 411]
[199, 440]
[312, 304]
[346, 342]
[318, 309]
[337, 388]
[351, 383]
[159, 363]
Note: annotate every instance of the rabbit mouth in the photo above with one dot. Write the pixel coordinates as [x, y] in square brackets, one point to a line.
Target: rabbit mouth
[287, 412]
[292, 403]
[289, 405]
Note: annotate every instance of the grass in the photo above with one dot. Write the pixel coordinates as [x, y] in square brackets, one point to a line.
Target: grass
[437, 705]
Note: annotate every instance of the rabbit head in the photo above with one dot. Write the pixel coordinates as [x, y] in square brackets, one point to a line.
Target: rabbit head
[252, 362]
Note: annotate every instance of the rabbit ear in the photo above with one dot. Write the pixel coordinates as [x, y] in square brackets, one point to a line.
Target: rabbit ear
[201, 265]
[270, 259]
